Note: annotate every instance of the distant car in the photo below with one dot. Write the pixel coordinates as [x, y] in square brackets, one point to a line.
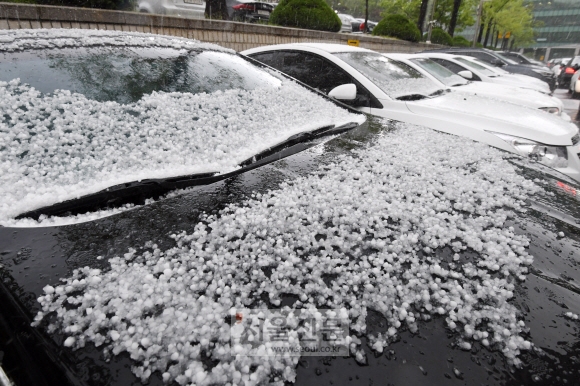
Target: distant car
[250, 11]
[516, 95]
[540, 72]
[558, 64]
[390, 89]
[346, 21]
[358, 25]
[475, 70]
[568, 69]
[522, 59]
[191, 9]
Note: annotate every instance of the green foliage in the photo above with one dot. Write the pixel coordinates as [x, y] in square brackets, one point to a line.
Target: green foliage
[465, 17]
[398, 26]
[514, 16]
[102, 4]
[460, 41]
[409, 8]
[439, 36]
[308, 14]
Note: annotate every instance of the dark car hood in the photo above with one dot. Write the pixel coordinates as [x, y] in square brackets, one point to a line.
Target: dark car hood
[35, 257]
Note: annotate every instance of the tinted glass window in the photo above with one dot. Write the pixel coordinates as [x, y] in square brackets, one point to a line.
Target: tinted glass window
[396, 79]
[124, 75]
[453, 67]
[472, 65]
[442, 74]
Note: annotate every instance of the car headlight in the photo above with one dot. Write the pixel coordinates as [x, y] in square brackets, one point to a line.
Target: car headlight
[552, 156]
[551, 110]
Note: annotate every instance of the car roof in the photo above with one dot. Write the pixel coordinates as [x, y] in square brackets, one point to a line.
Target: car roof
[331, 48]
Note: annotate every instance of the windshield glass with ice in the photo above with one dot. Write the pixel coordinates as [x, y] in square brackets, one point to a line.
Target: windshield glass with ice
[475, 66]
[396, 79]
[79, 120]
[442, 74]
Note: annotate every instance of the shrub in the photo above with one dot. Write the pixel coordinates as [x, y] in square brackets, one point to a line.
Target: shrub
[398, 26]
[439, 36]
[308, 14]
[460, 41]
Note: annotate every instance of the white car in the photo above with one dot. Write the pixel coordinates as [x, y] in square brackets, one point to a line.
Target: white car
[516, 95]
[191, 9]
[480, 72]
[346, 21]
[387, 88]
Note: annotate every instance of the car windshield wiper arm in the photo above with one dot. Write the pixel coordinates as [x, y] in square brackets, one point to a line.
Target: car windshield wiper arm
[438, 92]
[137, 192]
[411, 97]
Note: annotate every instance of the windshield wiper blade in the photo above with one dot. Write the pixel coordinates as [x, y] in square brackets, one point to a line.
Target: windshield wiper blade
[411, 97]
[137, 192]
[438, 92]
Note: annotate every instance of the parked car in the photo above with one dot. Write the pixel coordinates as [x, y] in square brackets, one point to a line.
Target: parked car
[346, 21]
[250, 11]
[358, 25]
[475, 70]
[393, 90]
[540, 72]
[516, 95]
[558, 65]
[568, 69]
[191, 9]
[444, 256]
[522, 59]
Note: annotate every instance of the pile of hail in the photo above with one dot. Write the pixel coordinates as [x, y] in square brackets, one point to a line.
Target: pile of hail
[364, 232]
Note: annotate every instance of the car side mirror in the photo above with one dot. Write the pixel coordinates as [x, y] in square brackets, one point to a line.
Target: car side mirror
[497, 63]
[344, 92]
[466, 74]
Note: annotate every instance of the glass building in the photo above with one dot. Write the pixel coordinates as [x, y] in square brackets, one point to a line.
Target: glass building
[559, 36]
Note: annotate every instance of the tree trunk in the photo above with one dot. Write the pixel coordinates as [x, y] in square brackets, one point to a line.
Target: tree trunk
[422, 14]
[454, 14]
[480, 34]
[487, 33]
[216, 9]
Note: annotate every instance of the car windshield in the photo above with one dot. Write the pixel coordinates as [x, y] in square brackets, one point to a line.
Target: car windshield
[476, 66]
[575, 61]
[442, 74]
[78, 121]
[396, 79]
[126, 74]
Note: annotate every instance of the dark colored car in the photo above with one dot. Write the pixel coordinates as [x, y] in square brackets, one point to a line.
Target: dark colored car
[423, 240]
[509, 65]
[521, 59]
[568, 70]
[250, 11]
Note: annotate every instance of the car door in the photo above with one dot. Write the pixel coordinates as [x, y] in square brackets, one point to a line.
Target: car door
[317, 72]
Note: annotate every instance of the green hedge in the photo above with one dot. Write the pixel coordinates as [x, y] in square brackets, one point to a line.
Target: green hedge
[460, 41]
[308, 14]
[439, 36]
[398, 26]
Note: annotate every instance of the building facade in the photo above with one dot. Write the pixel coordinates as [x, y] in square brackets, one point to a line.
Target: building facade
[559, 34]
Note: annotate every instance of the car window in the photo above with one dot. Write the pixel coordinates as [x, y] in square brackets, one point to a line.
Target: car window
[442, 74]
[575, 61]
[472, 65]
[317, 72]
[506, 59]
[131, 72]
[396, 79]
[453, 67]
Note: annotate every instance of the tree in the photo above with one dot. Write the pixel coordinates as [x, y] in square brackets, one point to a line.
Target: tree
[511, 16]
[308, 14]
[422, 14]
[454, 14]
